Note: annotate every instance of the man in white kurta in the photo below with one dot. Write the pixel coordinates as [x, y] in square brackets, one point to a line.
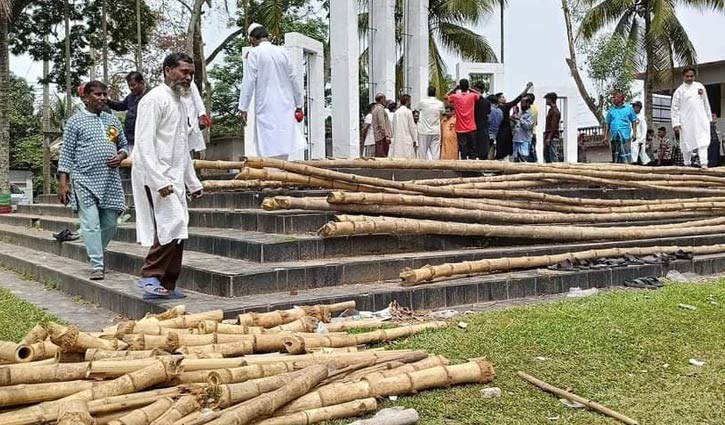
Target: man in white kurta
[405, 131]
[269, 78]
[162, 171]
[640, 143]
[198, 119]
[691, 117]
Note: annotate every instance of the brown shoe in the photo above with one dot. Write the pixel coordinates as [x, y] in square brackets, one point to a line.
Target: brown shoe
[97, 275]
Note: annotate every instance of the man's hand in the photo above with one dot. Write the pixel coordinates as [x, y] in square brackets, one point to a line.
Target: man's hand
[115, 160]
[198, 194]
[677, 129]
[166, 191]
[243, 116]
[64, 193]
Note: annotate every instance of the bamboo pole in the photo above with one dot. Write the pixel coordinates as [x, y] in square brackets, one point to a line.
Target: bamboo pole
[301, 180]
[466, 214]
[281, 317]
[266, 404]
[312, 416]
[225, 185]
[303, 324]
[131, 401]
[298, 344]
[573, 397]
[15, 353]
[145, 327]
[229, 349]
[226, 395]
[424, 274]
[37, 334]
[192, 320]
[71, 339]
[432, 361]
[45, 350]
[75, 412]
[346, 325]
[474, 371]
[34, 393]
[97, 354]
[173, 312]
[184, 406]
[246, 373]
[403, 226]
[145, 415]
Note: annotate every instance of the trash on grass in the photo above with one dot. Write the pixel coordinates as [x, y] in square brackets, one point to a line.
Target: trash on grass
[578, 292]
[493, 392]
[696, 362]
[686, 277]
[444, 314]
[571, 403]
[462, 325]
[687, 307]
[542, 359]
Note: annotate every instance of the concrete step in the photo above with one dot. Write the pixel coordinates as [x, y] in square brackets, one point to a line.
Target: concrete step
[118, 293]
[256, 220]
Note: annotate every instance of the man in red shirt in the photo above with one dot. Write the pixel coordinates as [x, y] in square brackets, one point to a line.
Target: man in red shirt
[464, 99]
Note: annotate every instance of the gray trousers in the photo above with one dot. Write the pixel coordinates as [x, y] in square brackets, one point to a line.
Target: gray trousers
[428, 142]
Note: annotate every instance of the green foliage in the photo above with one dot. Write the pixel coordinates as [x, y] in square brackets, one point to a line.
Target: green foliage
[611, 67]
[228, 77]
[46, 18]
[18, 316]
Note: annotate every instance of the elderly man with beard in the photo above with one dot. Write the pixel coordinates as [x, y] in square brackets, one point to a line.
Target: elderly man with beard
[162, 171]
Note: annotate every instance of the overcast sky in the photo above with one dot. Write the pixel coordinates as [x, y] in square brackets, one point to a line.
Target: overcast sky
[535, 44]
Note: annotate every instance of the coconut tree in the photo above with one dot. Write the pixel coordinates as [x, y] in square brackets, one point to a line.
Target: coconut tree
[5, 14]
[654, 28]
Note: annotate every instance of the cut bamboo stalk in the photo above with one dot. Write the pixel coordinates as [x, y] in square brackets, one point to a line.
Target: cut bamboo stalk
[168, 341]
[281, 317]
[71, 339]
[229, 349]
[427, 273]
[131, 401]
[245, 373]
[266, 404]
[312, 416]
[107, 418]
[226, 395]
[301, 180]
[465, 214]
[298, 344]
[75, 412]
[303, 324]
[475, 371]
[573, 397]
[403, 226]
[328, 350]
[143, 342]
[185, 405]
[161, 371]
[35, 393]
[145, 415]
[148, 328]
[98, 354]
[37, 334]
[35, 363]
[346, 325]
[16, 353]
[174, 312]
[226, 185]
[192, 320]
[209, 326]
[199, 418]
[432, 361]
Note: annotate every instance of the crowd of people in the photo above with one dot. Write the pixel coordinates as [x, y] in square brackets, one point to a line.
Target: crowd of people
[469, 125]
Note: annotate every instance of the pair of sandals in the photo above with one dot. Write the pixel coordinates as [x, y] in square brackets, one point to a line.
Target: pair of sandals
[644, 283]
[152, 290]
[66, 235]
[577, 264]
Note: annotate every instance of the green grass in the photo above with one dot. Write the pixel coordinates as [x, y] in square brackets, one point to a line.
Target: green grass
[611, 348]
[17, 316]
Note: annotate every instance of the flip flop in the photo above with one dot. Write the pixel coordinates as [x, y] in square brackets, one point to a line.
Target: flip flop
[175, 295]
[653, 281]
[637, 283]
[564, 265]
[152, 286]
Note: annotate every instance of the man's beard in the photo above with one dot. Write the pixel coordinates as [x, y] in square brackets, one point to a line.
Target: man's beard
[181, 89]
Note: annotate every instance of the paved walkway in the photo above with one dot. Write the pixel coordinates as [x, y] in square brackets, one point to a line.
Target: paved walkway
[73, 310]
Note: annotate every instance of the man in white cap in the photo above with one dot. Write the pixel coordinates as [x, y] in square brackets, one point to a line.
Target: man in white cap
[269, 78]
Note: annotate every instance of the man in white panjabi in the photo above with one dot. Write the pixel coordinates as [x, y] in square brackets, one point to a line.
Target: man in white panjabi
[198, 120]
[162, 171]
[429, 126]
[691, 116]
[639, 154]
[405, 131]
[269, 77]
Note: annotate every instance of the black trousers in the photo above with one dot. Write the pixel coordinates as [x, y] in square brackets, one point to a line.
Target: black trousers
[483, 145]
[467, 145]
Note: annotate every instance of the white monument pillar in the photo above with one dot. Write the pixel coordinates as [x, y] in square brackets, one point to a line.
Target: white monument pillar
[381, 47]
[492, 72]
[568, 126]
[344, 64]
[417, 52]
[301, 47]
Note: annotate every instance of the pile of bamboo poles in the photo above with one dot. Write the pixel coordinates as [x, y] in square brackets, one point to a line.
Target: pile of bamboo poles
[284, 367]
[500, 200]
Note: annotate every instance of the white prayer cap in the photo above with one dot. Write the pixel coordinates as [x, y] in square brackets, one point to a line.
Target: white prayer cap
[252, 27]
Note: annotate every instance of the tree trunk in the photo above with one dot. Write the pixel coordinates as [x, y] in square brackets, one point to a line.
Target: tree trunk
[193, 22]
[649, 70]
[68, 81]
[139, 55]
[571, 61]
[46, 124]
[4, 84]
[104, 52]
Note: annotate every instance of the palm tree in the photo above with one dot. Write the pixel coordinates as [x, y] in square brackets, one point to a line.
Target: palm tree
[5, 15]
[653, 27]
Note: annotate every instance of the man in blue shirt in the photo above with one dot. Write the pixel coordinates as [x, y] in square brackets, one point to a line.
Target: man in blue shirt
[618, 129]
[93, 148]
[138, 88]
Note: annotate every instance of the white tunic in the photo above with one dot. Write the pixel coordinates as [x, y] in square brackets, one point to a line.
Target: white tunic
[639, 144]
[194, 109]
[405, 134]
[161, 158]
[269, 78]
[691, 111]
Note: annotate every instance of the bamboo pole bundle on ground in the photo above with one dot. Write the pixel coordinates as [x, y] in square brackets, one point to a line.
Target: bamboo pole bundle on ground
[475, 371]
[71, 339]
[298, 344]
[302, 180]
[192, 320]
[184, 406]
[338, 411]
[98, 354]
[421, 275]
[143, 327]
[267, 404]
[173, 312]
[145, 415]
[402, 226]
[346, 325]
[280, 317]
[226, 395]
